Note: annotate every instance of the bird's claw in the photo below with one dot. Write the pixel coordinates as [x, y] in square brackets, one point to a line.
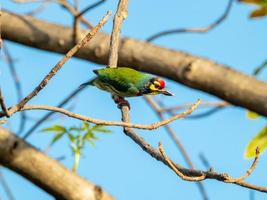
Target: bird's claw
[120, 101]
[123, 103]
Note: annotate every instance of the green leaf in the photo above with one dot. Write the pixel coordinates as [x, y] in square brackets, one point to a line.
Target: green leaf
[91, 143]
[85, 125]
[71, 137]
[89, 135]
[100, 128]
[56, 138]
[55, 128]
[252, 115]
[75, 128]
[260, 140]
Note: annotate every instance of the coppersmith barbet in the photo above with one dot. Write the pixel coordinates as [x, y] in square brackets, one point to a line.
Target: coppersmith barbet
[126, 82]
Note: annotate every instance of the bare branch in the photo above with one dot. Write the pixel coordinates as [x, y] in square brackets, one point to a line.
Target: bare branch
[60, 105]
[210, 174]
[205, 161]
[157, 108]
[120, 15]
[15, 77]
[90, 7]
[72, 10]
[110, 123]
[176, 170]
[27, 1]
[3, 105]
[6, 187]
[204, 104]
[39, 9]
[195, 30]
[58, 66]
[193, 71]
[248, 172]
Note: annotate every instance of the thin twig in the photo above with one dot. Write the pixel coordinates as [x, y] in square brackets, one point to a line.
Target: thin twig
[120, 15]
[6, 186]
[204, 104]
[3, 105]
[169, 130]
[15, 77]
[58, 66]
[176, 170]
[60, 105]
[210, 174]
[76, 23]
[205, 161]
[122, 8]
[249, 171]
[110, 123]
[195, 30]
[39, 9]
[215, 107]
[157, 108]
[90, 7]
[27, 1]
[72, 10]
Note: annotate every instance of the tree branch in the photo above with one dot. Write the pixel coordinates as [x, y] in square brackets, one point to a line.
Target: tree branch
[108, 123]
[58, 66]
[15, 77]
[157, 108]
[48, 115]
[195, 72]
[195, 30]
[5, 111]
[45, 172]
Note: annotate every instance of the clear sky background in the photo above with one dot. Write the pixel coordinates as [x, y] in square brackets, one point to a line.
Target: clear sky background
[116, 163]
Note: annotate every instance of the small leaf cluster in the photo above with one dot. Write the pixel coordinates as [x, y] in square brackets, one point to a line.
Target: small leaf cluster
[261, 11]
[78, 136]
[260, 140]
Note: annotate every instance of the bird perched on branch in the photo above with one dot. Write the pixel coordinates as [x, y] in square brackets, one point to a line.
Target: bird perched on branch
[126, 82]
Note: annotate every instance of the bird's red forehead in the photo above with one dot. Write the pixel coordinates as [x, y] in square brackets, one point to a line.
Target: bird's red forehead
[162, 83]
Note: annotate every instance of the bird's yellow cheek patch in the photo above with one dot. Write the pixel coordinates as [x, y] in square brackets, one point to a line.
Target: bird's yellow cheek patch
[152, 87]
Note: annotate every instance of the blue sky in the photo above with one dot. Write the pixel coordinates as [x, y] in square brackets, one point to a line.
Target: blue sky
[118, 164]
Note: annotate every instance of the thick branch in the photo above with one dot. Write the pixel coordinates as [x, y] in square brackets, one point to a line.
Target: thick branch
[45, 172]
[195, 72]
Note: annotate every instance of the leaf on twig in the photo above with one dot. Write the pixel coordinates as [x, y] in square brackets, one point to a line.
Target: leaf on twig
[101, 129]
[56, 138]
[252, 115]
[260, 140]
[78, 136]
[260, 11]
[55, 128]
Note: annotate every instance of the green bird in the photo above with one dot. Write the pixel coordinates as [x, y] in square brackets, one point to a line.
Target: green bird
[127, 82]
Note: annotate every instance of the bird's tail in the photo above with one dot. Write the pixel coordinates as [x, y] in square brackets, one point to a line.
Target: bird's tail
[90, 82]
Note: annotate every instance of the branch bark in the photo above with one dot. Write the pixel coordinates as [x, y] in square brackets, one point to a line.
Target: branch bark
[193, 71]
[45, 172]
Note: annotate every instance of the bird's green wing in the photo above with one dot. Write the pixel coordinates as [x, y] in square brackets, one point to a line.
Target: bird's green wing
[122, 79]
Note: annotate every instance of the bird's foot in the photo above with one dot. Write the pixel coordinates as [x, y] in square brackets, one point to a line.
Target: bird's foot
[120, 101]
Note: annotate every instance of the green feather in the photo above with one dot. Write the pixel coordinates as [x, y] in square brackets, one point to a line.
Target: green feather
[122, 81]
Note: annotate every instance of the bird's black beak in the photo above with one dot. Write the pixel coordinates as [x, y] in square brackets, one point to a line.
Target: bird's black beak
[165, 92]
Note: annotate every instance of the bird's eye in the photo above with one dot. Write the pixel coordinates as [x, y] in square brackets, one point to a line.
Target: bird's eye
[157, 84]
